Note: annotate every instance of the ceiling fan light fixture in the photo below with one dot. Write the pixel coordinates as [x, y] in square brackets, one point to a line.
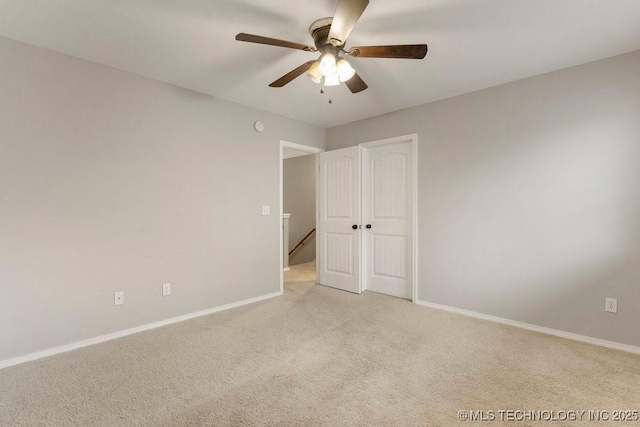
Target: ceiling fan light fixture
[345, 70]
[329, 38]
[328, 65]
[332, 80]
[314, 73]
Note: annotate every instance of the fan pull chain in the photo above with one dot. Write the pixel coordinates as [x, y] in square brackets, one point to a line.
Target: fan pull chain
[322, 93]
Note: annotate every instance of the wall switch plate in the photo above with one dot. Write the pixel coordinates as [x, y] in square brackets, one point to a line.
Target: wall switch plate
[166, 289]
[118, 298]
[266, 210]
[611, 305]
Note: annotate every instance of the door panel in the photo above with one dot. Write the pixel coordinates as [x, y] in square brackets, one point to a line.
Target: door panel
[389, 173]
[338, 211]
[340, 253]
[390, 253]
[387, 207]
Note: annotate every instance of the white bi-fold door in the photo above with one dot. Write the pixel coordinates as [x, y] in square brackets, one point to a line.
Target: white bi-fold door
[365, 218]
[338, 237]
[387, 218]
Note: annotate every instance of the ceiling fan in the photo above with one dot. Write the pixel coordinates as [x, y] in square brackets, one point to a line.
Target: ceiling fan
[329, 36]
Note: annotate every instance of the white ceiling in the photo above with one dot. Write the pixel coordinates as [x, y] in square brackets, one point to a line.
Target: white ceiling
[473, 44]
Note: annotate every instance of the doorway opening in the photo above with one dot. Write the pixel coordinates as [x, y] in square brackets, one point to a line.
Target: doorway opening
[298, 170]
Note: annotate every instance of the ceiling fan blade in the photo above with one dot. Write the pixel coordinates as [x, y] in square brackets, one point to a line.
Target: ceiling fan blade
[356, 84]
[251, 38]
[404, 51]
[287, 78]
[345, 18]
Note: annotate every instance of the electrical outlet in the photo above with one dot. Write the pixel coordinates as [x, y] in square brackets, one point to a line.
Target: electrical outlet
[166, 289]
[611, 305]
[266, 210]
[118, 298]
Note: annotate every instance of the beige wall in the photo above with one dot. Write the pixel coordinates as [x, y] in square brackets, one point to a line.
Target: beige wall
[529, 197]
[299, 191]
[109, 182]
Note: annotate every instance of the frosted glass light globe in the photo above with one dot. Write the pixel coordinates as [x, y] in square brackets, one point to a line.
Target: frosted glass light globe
[332, 80]
[314, 72]
[345, 70]
[328, 65]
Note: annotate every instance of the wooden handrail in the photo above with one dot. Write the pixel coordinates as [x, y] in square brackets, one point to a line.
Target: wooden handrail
[302, 241]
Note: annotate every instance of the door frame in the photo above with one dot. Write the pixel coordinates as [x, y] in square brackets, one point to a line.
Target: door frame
[299, 147]
[413, 138]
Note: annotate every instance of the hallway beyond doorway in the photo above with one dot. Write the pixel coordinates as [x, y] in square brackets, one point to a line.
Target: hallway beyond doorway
[301, 273]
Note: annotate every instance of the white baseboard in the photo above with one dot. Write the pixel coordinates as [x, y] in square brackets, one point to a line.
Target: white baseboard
[286, 269]
[535, 328]
[91, 341]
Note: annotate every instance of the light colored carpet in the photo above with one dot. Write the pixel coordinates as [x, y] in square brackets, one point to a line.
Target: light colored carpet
[301, 273]
[318, 356]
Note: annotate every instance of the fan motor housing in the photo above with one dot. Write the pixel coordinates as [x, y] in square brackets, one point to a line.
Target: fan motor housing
[319, 30]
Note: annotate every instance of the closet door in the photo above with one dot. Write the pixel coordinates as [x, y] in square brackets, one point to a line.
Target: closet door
[387, 219]
[339, 233]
